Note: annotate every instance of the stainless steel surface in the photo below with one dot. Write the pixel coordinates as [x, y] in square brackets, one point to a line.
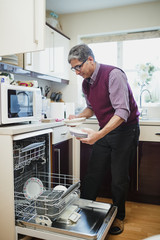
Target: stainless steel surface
[94, 222]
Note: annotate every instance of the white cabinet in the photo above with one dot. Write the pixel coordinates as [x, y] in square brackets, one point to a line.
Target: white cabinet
[61, 50]
[53, 59]
[150, 133]
[41, 61]
[22, 25]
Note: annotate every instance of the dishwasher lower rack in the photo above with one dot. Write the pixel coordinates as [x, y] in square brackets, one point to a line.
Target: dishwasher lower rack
[50, 203]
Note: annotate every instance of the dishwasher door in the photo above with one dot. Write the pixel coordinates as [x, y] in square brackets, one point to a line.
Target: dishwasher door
[94, 223]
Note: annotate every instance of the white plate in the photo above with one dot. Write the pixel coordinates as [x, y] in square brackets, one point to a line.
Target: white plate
[33, 188]
[74, 121]
[60, 188]
[78, 132]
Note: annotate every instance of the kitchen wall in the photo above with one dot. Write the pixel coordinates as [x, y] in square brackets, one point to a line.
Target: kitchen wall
[127, 18]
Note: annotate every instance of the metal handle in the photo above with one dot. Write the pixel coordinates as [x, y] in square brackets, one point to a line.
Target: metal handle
[70, 189]
[137, 169]
[51, 54]
[29, 59]
[64, 133]
[35, 22]
[59, 159]
[157, 134]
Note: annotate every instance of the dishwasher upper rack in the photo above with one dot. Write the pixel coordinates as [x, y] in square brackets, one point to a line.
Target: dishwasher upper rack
[24, 156]
[50, 203]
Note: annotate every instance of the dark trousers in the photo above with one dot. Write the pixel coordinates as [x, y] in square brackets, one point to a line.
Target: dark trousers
[115, 150]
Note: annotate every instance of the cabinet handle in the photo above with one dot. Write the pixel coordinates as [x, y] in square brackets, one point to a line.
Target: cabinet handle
[59, 159]
[157, 134]
[51, 54]
[29, 59]
[35, 22]
[64, 133]
[137, 169]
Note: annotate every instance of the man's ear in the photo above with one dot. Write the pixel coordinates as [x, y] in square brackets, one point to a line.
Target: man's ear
[90, 59]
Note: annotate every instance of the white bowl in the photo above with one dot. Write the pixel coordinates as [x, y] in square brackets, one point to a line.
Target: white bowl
[74, 121]
[60, 188]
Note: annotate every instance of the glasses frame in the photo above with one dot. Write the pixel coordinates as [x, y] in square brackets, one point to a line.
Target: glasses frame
[78, 67]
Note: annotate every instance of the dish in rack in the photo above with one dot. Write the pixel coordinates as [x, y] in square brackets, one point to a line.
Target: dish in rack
[33, 188]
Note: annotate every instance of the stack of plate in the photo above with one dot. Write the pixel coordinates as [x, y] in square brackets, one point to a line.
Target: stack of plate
[78, 132]
[10, 59]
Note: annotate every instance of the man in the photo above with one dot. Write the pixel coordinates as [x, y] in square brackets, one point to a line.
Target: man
[109, 97]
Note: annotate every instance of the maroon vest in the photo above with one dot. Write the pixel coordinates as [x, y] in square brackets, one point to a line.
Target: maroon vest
[98, 96]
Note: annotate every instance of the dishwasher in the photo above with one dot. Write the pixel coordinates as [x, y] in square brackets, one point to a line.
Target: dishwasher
[48, 205]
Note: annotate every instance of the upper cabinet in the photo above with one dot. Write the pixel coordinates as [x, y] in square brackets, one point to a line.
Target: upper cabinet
[53, 59]
[60, 59]
[22, 25]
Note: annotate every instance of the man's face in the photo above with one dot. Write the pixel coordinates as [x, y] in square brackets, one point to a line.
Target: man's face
[84, 69]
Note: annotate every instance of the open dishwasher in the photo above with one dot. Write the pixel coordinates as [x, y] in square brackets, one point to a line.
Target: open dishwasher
[47, 205]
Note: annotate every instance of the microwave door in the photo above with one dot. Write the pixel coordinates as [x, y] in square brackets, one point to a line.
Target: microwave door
[25, 100]
[13, 106]
[20, 104]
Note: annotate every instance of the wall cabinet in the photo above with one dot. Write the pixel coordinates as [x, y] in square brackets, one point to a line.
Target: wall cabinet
[22, 26]
[53, 59]
[41, 61]
[61, 47]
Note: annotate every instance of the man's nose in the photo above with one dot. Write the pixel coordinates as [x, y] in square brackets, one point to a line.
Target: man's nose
[77, 72]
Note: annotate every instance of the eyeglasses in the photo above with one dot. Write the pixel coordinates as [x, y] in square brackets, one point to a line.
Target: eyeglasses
[78, 67]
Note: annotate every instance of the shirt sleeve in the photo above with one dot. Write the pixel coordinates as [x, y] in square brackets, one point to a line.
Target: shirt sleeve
[118, 93]
[87, 102]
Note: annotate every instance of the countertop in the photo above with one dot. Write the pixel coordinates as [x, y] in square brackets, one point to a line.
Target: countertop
[24, 128]
[142, 122]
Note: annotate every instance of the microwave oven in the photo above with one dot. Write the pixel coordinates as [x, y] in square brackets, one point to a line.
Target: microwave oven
[19, 104]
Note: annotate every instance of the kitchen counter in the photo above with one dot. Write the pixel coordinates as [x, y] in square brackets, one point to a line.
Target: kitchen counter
[24, 128]
[142, 122]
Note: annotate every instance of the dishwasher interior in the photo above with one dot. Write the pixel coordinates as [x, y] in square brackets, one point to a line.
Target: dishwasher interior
[40, 203]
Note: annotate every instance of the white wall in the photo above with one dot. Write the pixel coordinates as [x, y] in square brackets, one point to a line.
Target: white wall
[132, 17]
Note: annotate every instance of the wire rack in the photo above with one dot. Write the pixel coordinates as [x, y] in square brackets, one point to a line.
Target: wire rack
[24, 156]
[50, 203]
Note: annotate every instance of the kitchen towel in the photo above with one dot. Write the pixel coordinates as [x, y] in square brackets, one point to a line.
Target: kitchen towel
[69, 108]
[57, 110]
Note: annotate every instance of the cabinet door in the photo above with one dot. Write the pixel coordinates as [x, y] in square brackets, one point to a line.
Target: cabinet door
[53, 59]
[41, 61]
[61, 50]
[22, 26]
[148, 172]
[62, 157]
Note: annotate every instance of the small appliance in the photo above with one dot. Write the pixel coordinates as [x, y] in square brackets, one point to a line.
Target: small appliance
[19, 104]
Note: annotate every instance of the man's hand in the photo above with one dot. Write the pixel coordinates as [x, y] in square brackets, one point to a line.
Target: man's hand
[72, 117]
[93, 136]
